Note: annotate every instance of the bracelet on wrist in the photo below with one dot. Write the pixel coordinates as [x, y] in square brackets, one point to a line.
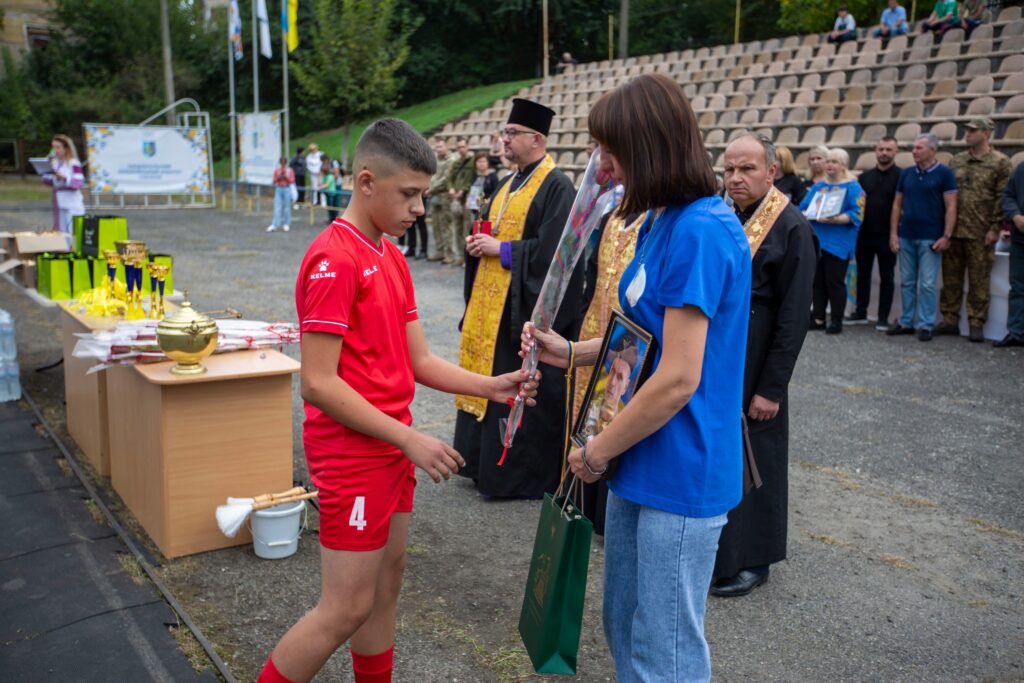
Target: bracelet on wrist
[586, 465]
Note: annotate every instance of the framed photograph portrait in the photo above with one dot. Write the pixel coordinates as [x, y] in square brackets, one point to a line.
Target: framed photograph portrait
[624, 362]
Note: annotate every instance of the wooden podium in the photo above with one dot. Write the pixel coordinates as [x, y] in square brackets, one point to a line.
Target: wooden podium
[180, 445]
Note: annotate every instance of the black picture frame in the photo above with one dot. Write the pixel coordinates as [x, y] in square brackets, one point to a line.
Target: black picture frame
[621, 337]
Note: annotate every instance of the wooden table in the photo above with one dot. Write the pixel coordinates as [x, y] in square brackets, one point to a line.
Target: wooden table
[85, 394]
[180, 445]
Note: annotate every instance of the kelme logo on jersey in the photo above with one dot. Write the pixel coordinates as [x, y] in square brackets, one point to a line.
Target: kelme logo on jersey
[322, 271]
[370, 271]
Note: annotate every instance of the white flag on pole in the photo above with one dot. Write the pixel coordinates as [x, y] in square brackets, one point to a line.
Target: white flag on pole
[264, 19]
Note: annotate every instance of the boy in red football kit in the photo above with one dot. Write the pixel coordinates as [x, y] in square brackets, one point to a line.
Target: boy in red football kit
[363, 350]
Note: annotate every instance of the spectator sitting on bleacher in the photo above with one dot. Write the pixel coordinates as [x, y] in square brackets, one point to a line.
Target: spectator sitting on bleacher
[972, 15]
[816, 164]
[845, 27]
[945, 16]
[566, 63]
[835, 208]
[893, 22]
[786, 179]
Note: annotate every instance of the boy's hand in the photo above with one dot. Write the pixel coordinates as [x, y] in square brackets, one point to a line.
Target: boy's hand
[507, 385]
[433, 456]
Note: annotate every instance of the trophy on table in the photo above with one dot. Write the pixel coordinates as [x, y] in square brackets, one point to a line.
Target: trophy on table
[133, 254]
[157, 276]
[113, 261]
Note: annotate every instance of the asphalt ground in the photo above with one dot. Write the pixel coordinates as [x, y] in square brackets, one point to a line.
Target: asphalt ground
[906, 550]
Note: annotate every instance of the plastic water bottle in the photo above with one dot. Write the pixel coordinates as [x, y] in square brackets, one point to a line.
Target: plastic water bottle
[10, 382]
[8, 347]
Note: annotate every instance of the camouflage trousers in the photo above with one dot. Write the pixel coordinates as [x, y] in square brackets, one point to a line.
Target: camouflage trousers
[462, 223]
[441, 220]
[974, 256]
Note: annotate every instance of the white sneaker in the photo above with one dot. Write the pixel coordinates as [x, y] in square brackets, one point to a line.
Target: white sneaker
[271, 228]
[287, 227]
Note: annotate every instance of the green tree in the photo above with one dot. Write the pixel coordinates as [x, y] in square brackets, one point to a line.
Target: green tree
[814, 16]
[350, 70]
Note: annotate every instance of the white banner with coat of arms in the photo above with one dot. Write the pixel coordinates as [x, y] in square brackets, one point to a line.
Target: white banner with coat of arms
[147, 159]
[259, 147]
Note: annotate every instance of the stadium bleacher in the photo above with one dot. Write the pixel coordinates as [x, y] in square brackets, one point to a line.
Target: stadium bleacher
[802, 91]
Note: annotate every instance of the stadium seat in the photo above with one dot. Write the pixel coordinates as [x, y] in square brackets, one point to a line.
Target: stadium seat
[788, 136]
[856, 93]
[1013, 83]
[842, 135]
[983, 106]
[913, 91]
[915, 73]
[945, 88]
[880, 110]
[1014, 105]
[1016, 159]
[947, 108]
[904, 159]
[980, 85]
[773, 116]
[1012, 64]
[865, 161]
[797, 115]
[728, 118]
[945, 131]
[873, 133]
[815, 135]
[850, 112]
[825, 113]
[907, 132]
[944, 70]
[715, 137]
[1015, 131]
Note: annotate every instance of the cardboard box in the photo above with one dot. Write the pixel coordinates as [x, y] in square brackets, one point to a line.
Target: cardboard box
[29, 243]
[28, 274]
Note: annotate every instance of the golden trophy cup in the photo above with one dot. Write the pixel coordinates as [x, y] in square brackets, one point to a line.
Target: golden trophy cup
[188, 337]
[113, 261]
[132, 253]
[159, 272]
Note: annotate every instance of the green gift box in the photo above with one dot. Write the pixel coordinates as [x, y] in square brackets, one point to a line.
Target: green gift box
[552, 616]
[54, 276]
[76, 228]
[81, 277]
[99, 233]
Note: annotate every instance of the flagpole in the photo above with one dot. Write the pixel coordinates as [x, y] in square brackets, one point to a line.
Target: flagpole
[233, 122]
[255, 62]
[284, 64]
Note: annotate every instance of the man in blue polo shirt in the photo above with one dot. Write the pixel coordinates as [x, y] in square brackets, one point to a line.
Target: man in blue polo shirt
[894, 21]
[923, 218]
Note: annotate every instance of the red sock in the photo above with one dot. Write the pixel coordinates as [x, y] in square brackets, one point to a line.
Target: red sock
[373, 668]
[270, 674]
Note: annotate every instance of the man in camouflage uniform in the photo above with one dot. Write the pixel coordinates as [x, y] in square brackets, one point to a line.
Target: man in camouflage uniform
[981, 174]
[460, 179]
[440, 206]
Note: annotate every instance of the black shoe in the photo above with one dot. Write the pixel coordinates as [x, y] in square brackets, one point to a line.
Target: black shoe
[420, 256]
[977, 335]
[739, 585]
[896, 329]
[1008, 341]
[924, 334]
[856, 319]
[815, 325]
[946, 328]
[835, 327]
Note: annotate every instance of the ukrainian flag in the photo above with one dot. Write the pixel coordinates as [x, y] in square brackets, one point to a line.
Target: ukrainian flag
[290, 23]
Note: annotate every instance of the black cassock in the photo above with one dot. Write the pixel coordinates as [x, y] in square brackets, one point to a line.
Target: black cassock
[533, 464]
[782, 280]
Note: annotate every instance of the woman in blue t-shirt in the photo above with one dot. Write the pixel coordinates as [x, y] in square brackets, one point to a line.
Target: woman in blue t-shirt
[677, 441]
[837, 232]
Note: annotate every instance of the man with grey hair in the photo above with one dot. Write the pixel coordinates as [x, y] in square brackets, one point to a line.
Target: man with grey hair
[784, 252]
[920, 229]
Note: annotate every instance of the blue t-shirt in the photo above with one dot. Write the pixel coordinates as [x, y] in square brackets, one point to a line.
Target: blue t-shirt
[891, 17]
[924, 211]
[695, 255]
[839, 240]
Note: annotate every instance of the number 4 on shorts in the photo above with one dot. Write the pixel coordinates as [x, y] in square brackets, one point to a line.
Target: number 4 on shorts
[358, 516]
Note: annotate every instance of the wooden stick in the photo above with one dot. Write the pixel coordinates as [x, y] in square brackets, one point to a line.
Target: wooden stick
[281, 501]
[277, 496]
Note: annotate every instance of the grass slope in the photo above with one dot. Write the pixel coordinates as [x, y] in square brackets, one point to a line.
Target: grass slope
[423, 117]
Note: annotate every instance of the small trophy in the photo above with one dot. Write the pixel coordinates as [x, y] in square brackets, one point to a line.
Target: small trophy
[133, 253]
[157, 272]
[113, 261]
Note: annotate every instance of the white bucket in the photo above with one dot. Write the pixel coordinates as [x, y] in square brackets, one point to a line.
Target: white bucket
[276, 530]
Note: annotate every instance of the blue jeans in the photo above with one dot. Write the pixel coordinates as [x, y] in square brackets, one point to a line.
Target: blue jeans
[1015, 316]
[655, 627]
[893, 32]
[919, 275]
[282, 206]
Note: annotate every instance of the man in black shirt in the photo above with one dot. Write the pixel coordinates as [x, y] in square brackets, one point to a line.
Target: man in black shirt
[298, 166]
[879, 185]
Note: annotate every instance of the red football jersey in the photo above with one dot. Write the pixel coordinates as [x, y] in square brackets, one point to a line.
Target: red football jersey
[363, 292]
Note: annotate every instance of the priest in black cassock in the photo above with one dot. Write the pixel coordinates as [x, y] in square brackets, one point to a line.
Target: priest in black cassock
[784, 250]
[504, 274]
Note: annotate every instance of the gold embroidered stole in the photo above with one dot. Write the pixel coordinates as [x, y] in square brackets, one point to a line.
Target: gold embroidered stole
[490, 288]
[615, 251]
[760, 224]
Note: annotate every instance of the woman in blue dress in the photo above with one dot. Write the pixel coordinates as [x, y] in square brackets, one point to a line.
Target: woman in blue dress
[837, 234]
[677, 442]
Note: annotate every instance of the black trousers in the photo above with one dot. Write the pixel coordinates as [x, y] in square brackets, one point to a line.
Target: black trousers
[409, 238]
[300, 185]
[870, 247]
[830, 286]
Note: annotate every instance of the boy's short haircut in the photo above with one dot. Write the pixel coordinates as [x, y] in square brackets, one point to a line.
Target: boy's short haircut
[392, 145]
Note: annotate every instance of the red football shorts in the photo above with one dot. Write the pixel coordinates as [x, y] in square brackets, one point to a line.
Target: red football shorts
[358, 495]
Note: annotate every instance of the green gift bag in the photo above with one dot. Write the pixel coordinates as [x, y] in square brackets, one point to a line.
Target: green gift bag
[552, 614]
[99, 233]
[54, 276]
[76, 228]
[81, 278]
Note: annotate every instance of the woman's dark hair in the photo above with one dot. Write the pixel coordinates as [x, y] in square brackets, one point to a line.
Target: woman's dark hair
[648, 124]
[481, 155]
